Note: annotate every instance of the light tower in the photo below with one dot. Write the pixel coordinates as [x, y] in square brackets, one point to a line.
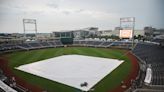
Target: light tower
[29, 21]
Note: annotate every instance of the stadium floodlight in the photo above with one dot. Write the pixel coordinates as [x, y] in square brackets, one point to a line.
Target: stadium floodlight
[29, 21]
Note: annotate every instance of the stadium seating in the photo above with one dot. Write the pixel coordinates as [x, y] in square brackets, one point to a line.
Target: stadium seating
[152, 54]
[8, 47]
[51, 43]
[29, 45]
[4, 48]
[35, 44]
[45, 44]
[58, 43]
[24, 45]
[99, 43]
[77, 42]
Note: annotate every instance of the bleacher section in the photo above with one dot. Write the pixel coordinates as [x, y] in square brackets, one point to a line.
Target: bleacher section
[58, 43]
[99, 43]
[29, 45]
[8, 47]
[152, 55]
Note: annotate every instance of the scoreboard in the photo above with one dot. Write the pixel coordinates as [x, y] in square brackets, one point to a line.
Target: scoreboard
[126, 34]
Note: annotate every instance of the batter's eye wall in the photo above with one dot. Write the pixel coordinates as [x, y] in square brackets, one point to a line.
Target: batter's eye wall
[67, 40]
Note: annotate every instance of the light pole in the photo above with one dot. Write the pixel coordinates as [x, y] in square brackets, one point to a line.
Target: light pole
[29, 21]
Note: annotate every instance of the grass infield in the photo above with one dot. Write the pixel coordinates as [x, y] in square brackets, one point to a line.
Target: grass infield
[108, 83]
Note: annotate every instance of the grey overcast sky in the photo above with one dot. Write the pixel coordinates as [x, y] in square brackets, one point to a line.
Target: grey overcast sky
[56, 15]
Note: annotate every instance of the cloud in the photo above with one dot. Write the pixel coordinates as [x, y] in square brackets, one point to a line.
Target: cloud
[53, 5]
[80, 10]
[66, 12]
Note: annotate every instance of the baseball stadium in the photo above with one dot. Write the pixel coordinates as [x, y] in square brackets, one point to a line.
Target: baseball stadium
[66, 64]
[57, 46]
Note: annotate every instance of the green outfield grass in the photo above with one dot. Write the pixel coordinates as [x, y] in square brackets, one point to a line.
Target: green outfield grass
[108, 83]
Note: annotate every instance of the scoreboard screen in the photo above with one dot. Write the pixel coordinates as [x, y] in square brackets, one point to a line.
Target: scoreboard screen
[126, 34]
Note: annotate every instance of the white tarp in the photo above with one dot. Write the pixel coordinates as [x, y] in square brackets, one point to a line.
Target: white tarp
[73, 70]
[6, 87]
